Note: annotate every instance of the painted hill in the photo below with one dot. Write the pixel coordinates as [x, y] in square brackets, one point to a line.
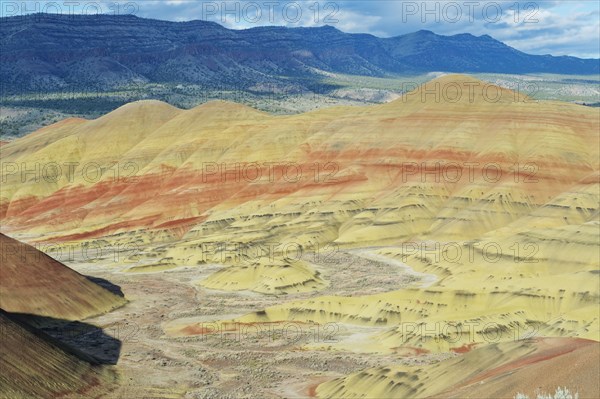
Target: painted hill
[493, 194]
[36, 366]
[185, 181]
[44, 52]
[494, 371]
[158, 168]
[31, 282]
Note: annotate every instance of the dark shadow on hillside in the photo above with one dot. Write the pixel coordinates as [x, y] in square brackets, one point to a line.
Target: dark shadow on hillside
[86, 341]
[115, 289]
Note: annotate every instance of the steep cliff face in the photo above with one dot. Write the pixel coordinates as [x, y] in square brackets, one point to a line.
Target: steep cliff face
[49, 52]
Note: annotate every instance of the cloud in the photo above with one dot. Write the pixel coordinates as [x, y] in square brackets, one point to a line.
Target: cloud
[546, 27]
[542, 27]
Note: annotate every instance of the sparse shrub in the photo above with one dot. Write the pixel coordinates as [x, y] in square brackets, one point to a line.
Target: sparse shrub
[561, 393]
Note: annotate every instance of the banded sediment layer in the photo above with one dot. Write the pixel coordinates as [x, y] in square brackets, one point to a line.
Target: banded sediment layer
[493, 195]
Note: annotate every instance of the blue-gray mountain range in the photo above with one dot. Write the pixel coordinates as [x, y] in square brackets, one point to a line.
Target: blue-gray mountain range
[54, 52]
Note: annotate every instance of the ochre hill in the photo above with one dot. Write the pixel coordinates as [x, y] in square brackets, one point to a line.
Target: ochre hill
[496, 371]
[494, 194]
[33, 283]
[452, 161]
[36, 366]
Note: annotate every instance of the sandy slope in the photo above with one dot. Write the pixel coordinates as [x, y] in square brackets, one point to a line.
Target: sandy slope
[492, 371]
[36, 366]
[32, 282]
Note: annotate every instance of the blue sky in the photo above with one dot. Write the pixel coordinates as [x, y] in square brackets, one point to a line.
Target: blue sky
[537, 27]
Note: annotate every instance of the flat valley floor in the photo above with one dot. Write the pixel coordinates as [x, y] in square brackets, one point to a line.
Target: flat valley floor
[269, 361]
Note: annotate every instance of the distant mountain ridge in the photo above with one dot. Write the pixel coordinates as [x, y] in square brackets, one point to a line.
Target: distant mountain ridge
[53, 52]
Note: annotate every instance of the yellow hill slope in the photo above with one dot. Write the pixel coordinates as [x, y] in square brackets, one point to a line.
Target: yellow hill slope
[495, 371]
[32, 282]
[495, 194]
[36, 366]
